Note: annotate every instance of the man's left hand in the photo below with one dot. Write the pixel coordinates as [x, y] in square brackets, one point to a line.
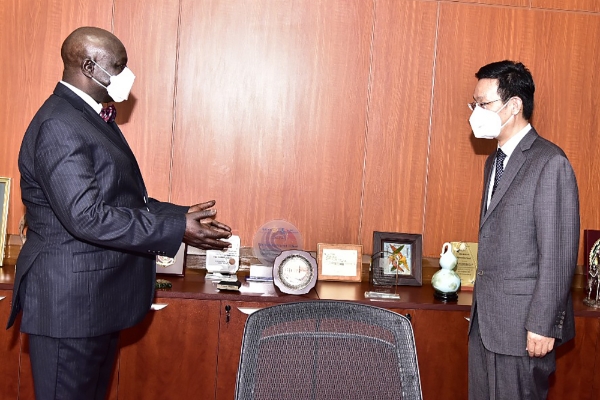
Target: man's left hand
[538, 345]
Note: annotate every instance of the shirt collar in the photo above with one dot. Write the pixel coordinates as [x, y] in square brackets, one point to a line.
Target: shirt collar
[85, 97]
[511, 144]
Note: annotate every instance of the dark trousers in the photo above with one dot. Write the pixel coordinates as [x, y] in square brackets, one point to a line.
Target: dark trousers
[495, 376]
[75, 369]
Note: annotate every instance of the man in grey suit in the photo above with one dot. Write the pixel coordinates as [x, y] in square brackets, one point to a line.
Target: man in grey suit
[528, 243]
[87, 269]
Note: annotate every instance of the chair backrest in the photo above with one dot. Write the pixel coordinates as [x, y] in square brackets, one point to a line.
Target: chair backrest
[317, 350]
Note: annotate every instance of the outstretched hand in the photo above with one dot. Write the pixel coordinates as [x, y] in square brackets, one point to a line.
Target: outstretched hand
[202, 230]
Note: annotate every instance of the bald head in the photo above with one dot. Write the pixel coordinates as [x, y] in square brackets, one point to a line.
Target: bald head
[83, 50]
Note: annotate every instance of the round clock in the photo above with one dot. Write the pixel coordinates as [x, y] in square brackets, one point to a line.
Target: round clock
[295, 272]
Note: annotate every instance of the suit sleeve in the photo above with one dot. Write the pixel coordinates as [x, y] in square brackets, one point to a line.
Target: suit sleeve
[158, 207]
[67, 173]
[556, 209]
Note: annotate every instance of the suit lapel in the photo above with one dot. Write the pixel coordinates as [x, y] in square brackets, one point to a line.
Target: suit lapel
[514, 165]
[110, 130]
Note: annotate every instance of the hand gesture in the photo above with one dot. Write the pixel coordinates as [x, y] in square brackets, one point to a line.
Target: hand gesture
[202, 230]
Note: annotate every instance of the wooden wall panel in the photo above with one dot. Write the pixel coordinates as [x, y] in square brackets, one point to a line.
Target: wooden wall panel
[518, 3]
[270, 113]
[576, 363]
[399, 111]
[148, 29]
[573, 5]
[563, 57]
[32, 33]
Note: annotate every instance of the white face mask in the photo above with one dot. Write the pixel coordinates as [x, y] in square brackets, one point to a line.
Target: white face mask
[120, 85]
[486, 124]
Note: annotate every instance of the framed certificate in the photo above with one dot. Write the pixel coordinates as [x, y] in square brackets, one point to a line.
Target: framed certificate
[339, 262]
[4, 197]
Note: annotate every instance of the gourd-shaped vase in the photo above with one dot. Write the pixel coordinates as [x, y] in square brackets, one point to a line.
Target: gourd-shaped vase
[446, 281]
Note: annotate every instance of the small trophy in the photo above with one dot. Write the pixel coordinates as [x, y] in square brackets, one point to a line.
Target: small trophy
[592, 298]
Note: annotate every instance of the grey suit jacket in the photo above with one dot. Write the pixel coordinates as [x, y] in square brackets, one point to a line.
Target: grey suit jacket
[88, 265]
[528, 244]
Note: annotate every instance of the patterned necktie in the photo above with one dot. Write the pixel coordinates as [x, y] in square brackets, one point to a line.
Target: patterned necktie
[109, 113]
[500, 156]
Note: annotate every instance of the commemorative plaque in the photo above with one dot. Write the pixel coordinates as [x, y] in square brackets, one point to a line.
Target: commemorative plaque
[273, 238]
[295, 272]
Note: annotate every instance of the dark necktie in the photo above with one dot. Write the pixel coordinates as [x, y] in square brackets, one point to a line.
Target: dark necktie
[109, 113]
[500, 156]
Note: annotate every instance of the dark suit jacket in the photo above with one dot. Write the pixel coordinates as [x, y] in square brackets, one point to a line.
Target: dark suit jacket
[528, 243]
[88, 265]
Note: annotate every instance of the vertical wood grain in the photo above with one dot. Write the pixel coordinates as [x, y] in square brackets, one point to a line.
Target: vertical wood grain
[10, 348]
[274, 119]
[576, 361]
[517, 3]
[570, 5]
[270, 113]
[184, 333]
[32, 33]
[399, 112]
[148, 29]
[562, 55]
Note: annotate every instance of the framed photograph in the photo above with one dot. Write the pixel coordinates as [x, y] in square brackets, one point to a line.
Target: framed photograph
[172, 265]
[339, 262]
[397, 259]
[4, 197]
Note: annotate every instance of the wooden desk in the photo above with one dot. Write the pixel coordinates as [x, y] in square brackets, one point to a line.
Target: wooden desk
[190, 348]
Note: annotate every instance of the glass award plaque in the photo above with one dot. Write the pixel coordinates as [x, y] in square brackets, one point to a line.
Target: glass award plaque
[273, 238]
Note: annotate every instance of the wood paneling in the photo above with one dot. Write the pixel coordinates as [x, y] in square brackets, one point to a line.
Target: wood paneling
[32, 33]
[563, 57]
[230, 345]
[517, 3]
[270, 113]
[575, 363]
[442, 347]
[10, 348]
[148, 29]
[320, 113]
[398, 126]
[572, 5]
[184, 333]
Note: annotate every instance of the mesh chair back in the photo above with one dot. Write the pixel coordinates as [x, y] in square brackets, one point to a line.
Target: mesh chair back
[318, 350]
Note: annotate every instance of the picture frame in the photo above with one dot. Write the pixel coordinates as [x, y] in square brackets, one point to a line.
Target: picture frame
[172, 265]
[4, 200]
[397, 259]
[339, 262]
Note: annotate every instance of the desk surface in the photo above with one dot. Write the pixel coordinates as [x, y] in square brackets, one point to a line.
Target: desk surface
[194, 286]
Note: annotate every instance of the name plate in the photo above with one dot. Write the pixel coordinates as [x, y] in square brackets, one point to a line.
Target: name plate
[224, 261]
[466, 268]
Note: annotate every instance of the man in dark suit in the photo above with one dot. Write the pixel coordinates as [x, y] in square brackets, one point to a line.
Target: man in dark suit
[528, 243]
[87, 269]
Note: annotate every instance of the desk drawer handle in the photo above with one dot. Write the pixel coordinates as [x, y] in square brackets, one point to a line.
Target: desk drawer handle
[248, 310]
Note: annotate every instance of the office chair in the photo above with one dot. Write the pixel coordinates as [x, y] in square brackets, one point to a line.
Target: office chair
[321, 350]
